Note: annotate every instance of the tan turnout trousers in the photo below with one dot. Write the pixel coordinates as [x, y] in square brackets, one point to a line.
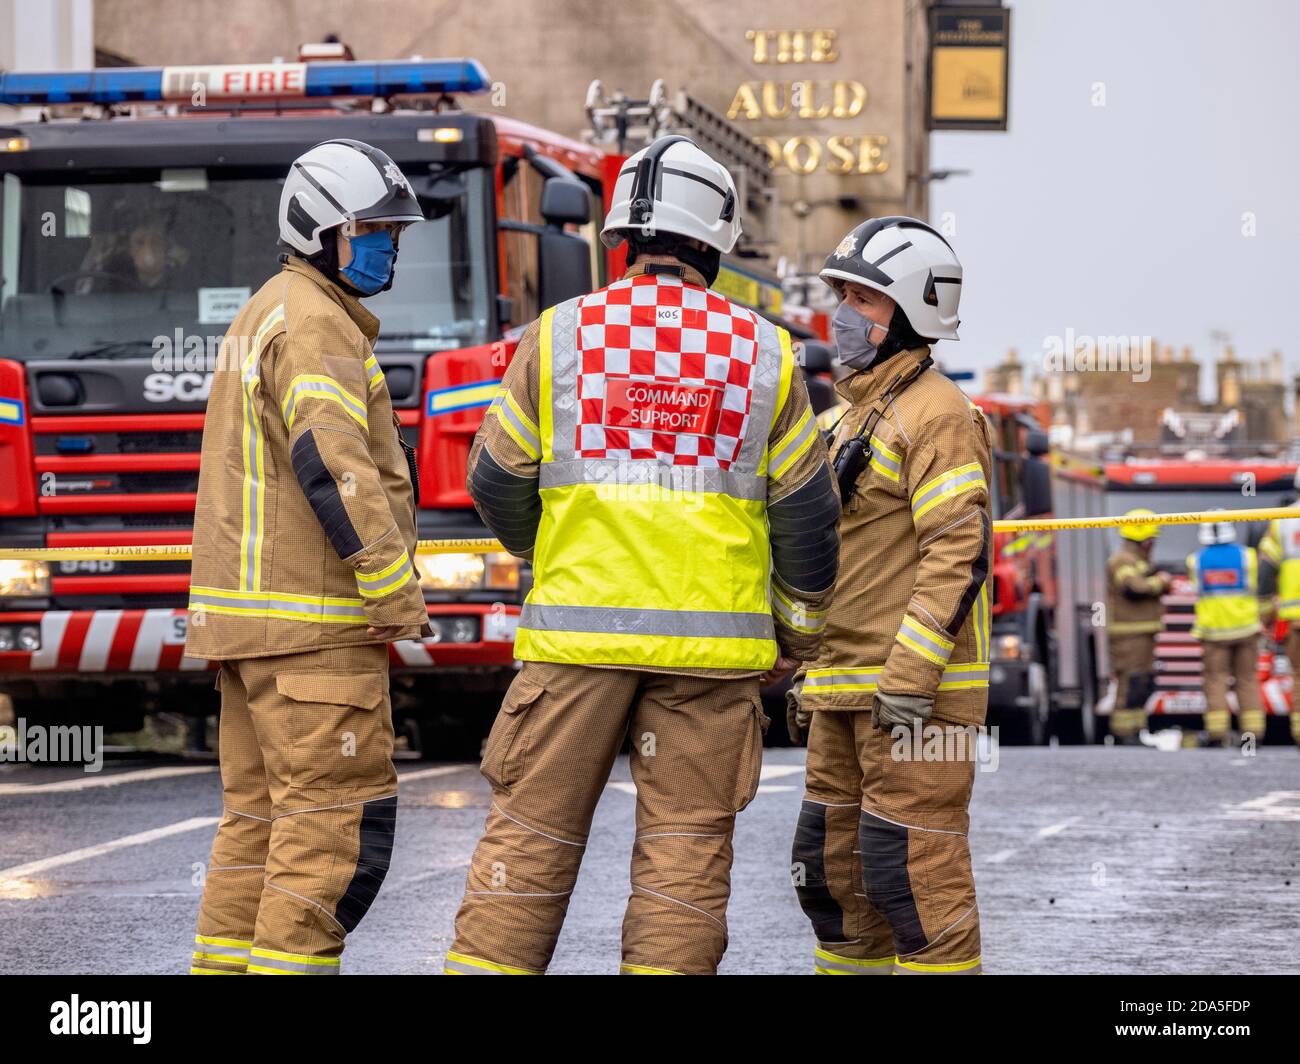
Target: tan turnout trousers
[310, 807]
[901, 821]
[696, 751]
[1238, 660]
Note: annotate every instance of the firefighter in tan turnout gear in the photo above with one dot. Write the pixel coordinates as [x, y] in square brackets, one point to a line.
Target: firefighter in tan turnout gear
[880, 860]
[303, 534]
[654, 452]
[1134, 590]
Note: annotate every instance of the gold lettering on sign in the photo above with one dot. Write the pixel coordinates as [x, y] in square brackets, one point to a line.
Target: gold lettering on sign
[810, 101]
[793, 46]
[785, 99]
[841, 156]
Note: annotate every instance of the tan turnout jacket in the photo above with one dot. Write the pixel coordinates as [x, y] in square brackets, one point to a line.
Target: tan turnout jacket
[910, 613]
[304, 527]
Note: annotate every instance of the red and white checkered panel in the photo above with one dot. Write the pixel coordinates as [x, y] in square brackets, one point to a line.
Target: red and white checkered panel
[695, 350]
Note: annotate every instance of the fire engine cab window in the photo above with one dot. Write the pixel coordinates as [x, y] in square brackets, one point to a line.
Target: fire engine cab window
[521, 201]
[116, 262]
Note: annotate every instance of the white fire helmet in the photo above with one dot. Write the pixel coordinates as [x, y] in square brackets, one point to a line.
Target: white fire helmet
[341, 182]
[908, 261]
[674, 187]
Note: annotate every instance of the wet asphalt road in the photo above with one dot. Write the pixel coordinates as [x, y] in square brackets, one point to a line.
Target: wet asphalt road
[1087, 860]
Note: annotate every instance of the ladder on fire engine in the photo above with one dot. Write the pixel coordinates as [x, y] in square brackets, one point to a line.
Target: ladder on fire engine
[624, 125]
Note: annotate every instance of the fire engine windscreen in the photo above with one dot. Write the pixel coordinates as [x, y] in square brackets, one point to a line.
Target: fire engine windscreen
[124, 263]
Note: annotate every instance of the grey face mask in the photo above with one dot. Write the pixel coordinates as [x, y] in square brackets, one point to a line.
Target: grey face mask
[853, 337]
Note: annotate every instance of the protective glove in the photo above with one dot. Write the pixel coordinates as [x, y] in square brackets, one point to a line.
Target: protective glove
[889, 710]
[798, 720]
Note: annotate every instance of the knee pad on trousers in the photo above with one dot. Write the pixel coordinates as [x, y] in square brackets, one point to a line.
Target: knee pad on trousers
[808, 860]
[886, 880]
[378, 827]
[1140, 686]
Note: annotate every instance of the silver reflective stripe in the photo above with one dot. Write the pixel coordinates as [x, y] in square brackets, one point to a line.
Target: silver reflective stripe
[617, 471]
[959, 675]
[948, 487]
[257, 960]
[621, 621]
[911, 630]
[804, 621]
[564, 381]
[826, 962]
[865, 676]
[879, 456]
[270, 601]
[778, 459]
[289, 405]
[764, 385]
[504, 409]
[461, 968]
[378, 585]
[902, 968]
[1288, 534]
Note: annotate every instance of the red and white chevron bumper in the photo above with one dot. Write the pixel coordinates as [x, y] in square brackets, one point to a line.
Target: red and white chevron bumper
[89, 642]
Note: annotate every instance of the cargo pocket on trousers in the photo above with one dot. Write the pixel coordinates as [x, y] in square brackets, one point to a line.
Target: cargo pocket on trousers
[340, 734]
[506, 750]
[751, 760]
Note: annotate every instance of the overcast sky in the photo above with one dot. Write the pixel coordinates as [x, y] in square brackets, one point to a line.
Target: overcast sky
[1127, 218]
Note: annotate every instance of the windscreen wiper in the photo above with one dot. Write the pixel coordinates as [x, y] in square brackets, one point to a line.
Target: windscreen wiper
[113, 349]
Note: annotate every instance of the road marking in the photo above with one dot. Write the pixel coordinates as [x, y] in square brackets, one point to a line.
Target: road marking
[16, 872]
[771, 772]
[90, 780]
[429, 773]
[1051, 831]
[1276, 806]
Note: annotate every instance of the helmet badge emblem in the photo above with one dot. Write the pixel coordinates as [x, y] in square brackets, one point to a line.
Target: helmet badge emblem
[394, 174]
[847, 247]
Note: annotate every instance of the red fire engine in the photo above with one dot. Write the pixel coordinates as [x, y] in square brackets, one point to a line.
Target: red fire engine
[136, 216]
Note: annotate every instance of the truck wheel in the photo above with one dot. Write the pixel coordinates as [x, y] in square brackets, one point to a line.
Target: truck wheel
[1040, 710]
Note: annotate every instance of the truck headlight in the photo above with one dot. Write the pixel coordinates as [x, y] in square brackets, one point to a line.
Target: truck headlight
[443, 572]
[24, 579]
[1009, 646]
[502, 572]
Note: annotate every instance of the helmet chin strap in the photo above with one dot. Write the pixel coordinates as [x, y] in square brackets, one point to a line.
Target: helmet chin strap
[707, 263]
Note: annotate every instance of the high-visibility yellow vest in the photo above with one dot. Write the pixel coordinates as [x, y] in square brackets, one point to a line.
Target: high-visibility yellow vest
[1226, 576]
[1281, 545]
[641, 558]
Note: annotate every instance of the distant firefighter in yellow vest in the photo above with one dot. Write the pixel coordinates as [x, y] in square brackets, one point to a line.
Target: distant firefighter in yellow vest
[1133, 617]
[654, 452]
[1280, 549]
[1226, 578]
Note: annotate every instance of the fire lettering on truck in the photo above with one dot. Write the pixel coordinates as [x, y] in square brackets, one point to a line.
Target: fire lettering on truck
[662, 407]
[243, 82]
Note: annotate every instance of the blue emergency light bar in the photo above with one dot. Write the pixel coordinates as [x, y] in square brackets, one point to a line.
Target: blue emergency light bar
[245, 82]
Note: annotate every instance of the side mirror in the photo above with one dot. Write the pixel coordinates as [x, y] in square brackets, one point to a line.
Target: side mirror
[564, 263]
[1036, 442]
[1036, 487]
[565, 201]
[438, 194]
[817, 356]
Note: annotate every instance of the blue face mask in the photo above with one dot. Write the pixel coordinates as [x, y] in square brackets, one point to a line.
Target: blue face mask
[371, 267]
